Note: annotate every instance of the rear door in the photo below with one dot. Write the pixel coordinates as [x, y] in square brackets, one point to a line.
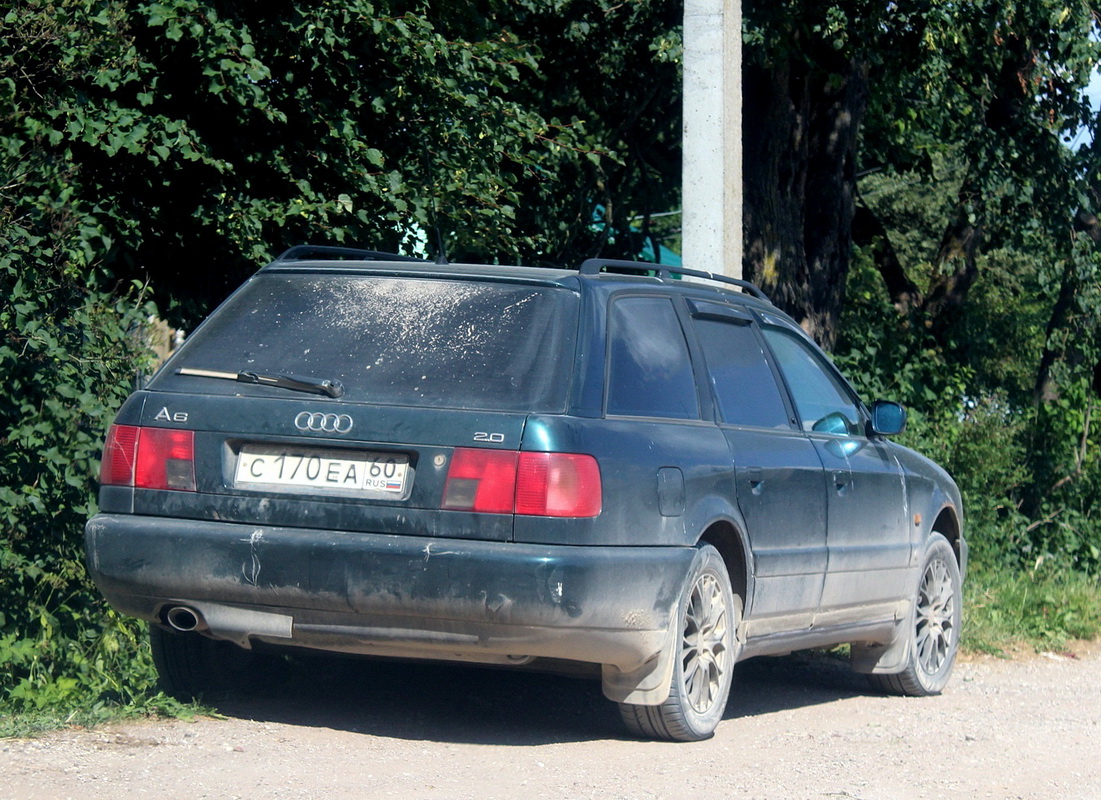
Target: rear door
[781, 487]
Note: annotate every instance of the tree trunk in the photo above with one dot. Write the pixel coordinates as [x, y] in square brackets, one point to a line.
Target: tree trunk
[956, 260]
[869, 232]
[774, 156]
[801, 120]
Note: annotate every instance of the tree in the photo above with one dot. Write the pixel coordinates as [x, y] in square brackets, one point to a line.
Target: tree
[616, 67]
[181, 143]
[834, 90]
[218, 133]
[913, 199]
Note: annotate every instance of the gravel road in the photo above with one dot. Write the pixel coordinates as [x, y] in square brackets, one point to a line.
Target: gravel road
[797, 727]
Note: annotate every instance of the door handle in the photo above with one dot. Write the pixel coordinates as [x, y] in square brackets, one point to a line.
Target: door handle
[756, 478]
[841, 480]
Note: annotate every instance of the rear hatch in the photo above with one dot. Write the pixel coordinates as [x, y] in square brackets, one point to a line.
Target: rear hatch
[352, 401]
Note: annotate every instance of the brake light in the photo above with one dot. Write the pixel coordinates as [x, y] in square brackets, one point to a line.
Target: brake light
[481, 480]
[149, 458]
[166, 459]
[534, 484]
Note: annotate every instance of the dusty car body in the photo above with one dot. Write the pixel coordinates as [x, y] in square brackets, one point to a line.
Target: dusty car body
[657, 473]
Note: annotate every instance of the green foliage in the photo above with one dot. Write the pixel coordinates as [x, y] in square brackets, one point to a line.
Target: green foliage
[67, 351]
[1066, 494]
[1027, 465]
[164, 148]
[1045, 608]
[1008, 120]
[1032, 579]
[70, 341]
[25, 723]
[616, 67]
[251, 127]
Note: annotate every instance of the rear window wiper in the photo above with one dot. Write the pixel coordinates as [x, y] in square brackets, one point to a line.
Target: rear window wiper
[295, 383]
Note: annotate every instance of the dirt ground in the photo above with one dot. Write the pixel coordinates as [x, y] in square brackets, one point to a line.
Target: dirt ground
[797, 727]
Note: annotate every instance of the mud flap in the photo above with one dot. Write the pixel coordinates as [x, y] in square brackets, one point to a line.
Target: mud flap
[883, 658]
[648, 685]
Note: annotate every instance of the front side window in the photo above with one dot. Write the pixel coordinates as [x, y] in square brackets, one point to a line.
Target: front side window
[649, 370]
[822, 401]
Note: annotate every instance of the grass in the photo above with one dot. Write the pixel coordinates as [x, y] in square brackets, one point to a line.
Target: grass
[29, 723]
[1006, 610]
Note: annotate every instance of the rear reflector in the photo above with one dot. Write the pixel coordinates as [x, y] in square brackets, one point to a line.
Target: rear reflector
[558, 485]
[534, 484]
[119, 456]
[149, 458]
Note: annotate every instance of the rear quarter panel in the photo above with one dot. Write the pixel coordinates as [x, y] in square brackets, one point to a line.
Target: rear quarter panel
[662, 481]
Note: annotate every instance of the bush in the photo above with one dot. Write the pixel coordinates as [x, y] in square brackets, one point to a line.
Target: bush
[68, 350]
[1029, 471]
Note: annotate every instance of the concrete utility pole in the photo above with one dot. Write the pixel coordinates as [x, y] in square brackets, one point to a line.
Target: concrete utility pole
[712, 136]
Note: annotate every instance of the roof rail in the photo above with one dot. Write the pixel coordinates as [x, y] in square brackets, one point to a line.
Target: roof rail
[595, 266]
[307, 252]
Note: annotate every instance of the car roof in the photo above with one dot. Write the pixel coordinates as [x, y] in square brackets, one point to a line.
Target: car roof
[610, 273]
[429, 269]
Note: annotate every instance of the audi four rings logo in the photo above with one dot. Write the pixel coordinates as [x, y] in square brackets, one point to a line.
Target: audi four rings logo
[323, 423]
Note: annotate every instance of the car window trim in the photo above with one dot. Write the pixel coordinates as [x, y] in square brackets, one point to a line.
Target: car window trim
[704, 405]
[737, 318]
[771, 321]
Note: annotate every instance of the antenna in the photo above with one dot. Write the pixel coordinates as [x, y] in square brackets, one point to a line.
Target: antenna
[441, 249]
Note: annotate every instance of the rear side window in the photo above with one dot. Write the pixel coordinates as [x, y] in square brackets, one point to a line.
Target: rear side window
[649, 371]
[395, 341]
[744, 385]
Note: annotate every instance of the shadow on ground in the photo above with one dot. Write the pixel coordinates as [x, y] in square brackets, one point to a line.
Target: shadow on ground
[466, 704]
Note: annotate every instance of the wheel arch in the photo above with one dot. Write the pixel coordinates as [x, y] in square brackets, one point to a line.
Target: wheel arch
[947, 524]
[719, 523]
[728, 539]
[887, 661]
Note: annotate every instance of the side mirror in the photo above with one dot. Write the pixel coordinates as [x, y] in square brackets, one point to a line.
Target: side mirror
[888, 419]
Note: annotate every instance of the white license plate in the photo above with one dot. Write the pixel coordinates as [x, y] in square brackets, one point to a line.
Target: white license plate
[369, 473]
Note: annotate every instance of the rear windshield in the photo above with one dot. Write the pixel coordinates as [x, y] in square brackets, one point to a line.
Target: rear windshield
[394, 341]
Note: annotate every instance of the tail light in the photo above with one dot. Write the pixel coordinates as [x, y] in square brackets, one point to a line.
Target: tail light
[534, 484]
[149, 458]
[481, 480]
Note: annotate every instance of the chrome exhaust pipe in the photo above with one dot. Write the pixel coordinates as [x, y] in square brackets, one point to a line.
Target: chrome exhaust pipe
[185, 619]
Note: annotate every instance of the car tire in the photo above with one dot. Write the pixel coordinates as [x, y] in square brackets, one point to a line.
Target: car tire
[191, 666]
[934, 625]
[707, 620]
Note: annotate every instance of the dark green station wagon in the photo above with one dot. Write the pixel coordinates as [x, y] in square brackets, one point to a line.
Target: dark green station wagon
[655, 473]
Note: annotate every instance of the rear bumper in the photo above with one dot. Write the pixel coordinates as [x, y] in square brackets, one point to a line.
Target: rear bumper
[393, 595]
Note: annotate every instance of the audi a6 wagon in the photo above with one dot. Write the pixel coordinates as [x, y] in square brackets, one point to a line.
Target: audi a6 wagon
[654, 473]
